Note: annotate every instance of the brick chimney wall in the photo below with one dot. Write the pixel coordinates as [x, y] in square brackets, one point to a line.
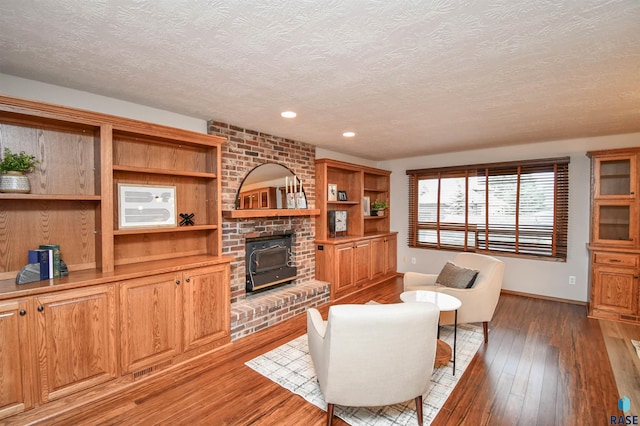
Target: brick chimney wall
[246, 149]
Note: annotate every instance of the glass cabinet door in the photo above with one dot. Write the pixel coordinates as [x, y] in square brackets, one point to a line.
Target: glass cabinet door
[615, 223]
[616, 176]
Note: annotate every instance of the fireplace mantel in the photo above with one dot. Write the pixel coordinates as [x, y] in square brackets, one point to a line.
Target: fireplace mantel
[258, 213]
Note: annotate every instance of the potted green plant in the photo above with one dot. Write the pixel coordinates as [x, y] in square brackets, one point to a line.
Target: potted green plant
[378, 207]
[12, 168]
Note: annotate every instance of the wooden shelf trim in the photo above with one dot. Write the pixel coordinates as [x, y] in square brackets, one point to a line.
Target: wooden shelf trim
[164, 230]
[346, 203]
[131, 127]
[164, 172]
[50, 197]
[354, 238]
[256, 213]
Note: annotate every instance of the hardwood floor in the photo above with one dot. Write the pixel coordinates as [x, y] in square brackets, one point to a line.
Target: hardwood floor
[624, 360]
[545, 363]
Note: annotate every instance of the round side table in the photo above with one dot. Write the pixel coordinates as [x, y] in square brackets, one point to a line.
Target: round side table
[444, 302]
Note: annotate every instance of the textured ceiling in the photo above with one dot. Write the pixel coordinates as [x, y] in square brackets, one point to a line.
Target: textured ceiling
[411, 77]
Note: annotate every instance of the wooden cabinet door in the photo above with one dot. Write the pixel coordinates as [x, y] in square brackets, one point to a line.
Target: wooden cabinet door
[151, 321]
[378, 257]
[206, 296]
[76, 340]
[362, 262]
[615, 223]
[344, 269]
[615, 176]
[391, 248]
[264, 198]
[15, 358]
[615, 290]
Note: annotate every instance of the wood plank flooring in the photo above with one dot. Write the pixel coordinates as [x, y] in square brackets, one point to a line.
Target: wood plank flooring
[624, 360]
[546, 363]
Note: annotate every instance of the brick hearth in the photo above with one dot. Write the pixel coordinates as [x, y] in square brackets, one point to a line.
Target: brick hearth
[270, 307]
[245, 150]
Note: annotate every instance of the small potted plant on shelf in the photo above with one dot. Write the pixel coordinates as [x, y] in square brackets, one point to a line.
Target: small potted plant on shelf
[378, 207]
[12, 168]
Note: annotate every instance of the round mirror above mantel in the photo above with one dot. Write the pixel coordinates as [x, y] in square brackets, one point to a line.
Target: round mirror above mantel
[270, 190]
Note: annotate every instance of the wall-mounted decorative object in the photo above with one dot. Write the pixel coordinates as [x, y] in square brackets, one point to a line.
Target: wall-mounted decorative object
[332, 193]
[187, 219]
[366, 202]
[342, 196]
[146, 206]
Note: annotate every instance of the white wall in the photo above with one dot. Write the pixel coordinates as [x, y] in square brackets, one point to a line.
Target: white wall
[37, 91]
[547, 278]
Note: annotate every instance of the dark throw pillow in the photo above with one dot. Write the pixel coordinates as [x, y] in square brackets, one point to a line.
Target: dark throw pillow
[456, 276]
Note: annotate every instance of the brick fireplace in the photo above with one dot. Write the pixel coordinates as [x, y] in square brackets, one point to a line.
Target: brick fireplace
[245, 149]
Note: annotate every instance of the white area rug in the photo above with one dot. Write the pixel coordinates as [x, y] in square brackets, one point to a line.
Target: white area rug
[636, 344]
[291, 367]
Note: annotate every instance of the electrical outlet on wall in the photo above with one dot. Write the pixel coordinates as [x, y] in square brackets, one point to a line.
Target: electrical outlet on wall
[572, 279]
[413, 260]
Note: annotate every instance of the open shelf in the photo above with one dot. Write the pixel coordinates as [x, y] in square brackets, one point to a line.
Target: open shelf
[74, 197]
[358, 182]
[163, 172]
[164, 230]
[346, 203]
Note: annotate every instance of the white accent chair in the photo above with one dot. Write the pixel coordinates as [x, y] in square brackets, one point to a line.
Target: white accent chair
[479, 302]
[373, 355]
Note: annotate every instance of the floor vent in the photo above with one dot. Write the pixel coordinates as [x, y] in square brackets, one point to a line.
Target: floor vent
[142, 373]
[629, 318]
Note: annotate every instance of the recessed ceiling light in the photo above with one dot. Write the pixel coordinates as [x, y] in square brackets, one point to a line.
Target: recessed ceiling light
[349, 134]
[288, 114]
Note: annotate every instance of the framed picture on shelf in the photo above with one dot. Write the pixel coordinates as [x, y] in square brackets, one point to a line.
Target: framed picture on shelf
[146, 206]
[332, 193]
[366, 203]
[342, 196]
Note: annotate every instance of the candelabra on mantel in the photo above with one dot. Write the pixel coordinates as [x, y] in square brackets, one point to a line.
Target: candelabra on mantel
[295, 195]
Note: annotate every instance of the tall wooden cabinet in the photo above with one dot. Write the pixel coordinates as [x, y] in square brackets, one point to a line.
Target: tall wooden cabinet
[365, 253]
[615, 235]
[137, 299]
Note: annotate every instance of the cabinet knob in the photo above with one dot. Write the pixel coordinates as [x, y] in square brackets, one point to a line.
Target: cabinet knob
[635, 277]
[188, 280]
[23, 312]
[40, 308]
[177, 282]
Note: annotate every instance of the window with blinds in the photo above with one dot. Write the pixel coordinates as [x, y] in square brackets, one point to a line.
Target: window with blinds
[515, 207]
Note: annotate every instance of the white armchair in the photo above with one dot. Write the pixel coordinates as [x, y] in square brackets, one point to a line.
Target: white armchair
[373, 355]
[478, 302]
